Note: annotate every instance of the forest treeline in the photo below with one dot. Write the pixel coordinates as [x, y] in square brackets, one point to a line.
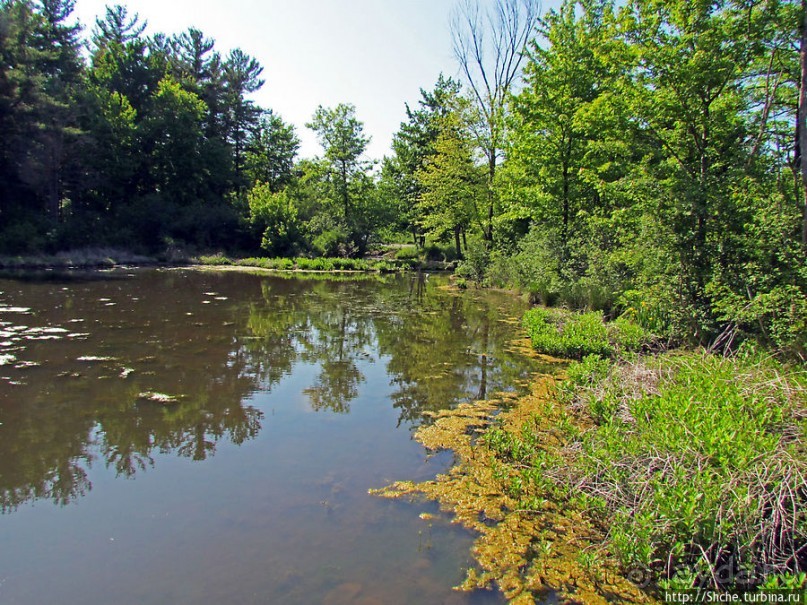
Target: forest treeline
[640, 158]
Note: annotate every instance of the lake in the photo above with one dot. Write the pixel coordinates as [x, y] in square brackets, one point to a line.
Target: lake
[180, 436]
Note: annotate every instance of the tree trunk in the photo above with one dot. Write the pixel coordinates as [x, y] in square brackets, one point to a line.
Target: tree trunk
[488, 232]
[53, 172]
[457, 241]
[564, 233]
[345, 193]
[801, 124]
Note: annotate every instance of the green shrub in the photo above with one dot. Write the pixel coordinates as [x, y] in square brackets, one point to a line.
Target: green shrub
[647, 308]
[330, 243]
[438, 253]
[627, 335]
[475, 263]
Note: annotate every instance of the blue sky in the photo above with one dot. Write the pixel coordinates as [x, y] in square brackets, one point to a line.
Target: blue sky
[376, 54]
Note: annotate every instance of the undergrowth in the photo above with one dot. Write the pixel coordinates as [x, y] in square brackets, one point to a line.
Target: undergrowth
[573, 335]
[699, 464]
[694, 465]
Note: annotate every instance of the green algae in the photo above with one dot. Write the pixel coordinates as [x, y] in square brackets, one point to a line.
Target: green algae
[531, 543]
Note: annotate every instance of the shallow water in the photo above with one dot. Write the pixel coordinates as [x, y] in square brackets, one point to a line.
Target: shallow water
[194, 437]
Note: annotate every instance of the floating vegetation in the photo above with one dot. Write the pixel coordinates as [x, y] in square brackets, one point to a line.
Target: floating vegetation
[24, 365]
[160, 398]
[529, 545]
[47, 330]
[68, 375]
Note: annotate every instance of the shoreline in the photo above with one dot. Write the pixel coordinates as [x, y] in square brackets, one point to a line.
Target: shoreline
[555, 483]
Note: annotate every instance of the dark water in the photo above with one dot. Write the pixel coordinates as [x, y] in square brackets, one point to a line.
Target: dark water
[293, 398]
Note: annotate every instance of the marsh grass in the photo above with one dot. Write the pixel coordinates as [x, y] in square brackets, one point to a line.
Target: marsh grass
[310, 264]
[697, 463]
[562, 333]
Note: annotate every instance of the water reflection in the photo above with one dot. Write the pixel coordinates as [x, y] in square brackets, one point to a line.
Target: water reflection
[213, 341]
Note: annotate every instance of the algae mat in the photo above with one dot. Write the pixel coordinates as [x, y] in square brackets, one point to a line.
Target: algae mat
[548, 552]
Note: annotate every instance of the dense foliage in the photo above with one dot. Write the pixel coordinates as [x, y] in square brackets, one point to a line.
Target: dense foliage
[146, 142]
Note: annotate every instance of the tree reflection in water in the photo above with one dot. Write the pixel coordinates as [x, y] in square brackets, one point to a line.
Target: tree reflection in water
[217, 339]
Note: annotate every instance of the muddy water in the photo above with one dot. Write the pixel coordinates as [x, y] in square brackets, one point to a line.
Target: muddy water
[171, 436]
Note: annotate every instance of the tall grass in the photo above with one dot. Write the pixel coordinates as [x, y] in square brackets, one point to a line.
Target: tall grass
[573, 335]
[697, 463]
[310, 264]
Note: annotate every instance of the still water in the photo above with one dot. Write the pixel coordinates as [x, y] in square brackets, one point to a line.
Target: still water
[173, 436]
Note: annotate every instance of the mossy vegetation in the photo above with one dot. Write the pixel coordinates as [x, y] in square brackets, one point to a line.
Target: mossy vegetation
[531, 544]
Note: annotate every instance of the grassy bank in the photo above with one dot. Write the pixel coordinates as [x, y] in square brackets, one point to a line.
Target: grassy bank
[631, 472]
[695, 463]
[323, 264]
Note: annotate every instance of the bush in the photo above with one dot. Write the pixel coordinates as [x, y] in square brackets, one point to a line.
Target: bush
[330, 243]
[23, 237]
[437, 253]
[475, 263]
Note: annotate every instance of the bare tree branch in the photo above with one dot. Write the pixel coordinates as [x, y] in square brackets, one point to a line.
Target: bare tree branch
[490, 49]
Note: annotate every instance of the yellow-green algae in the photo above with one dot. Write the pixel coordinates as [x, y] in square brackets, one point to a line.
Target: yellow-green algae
[527, 554]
